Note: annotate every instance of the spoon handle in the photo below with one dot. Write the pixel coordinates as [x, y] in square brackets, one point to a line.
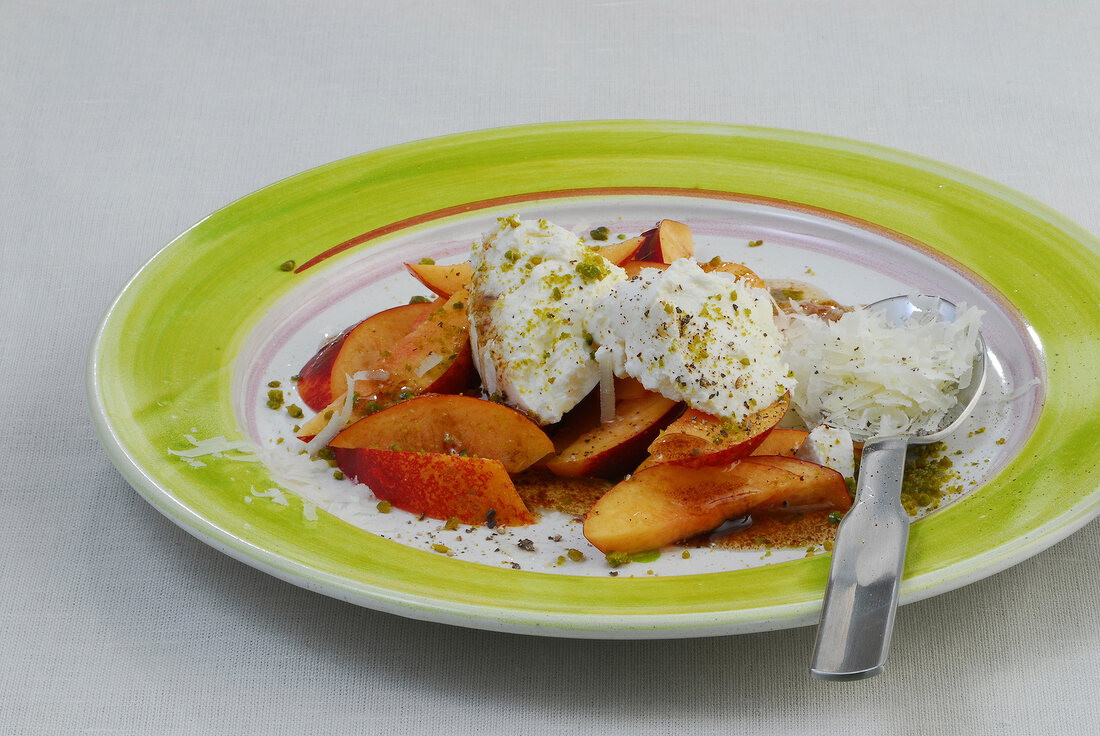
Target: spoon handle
[853, 636]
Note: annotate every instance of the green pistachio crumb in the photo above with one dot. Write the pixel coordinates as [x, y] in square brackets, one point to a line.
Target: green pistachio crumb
[275, 399]
[589, 270]
[615, 559]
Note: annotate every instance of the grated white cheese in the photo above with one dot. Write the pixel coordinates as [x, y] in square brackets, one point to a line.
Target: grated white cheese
[339, 418]
[218, 447]
[277, 495]
[874, 379]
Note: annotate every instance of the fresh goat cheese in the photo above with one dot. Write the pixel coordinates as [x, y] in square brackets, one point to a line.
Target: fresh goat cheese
[708, 339]
[830, 447]
[533, 288]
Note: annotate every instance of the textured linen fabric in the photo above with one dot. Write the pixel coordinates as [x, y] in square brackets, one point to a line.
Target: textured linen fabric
[122, 123]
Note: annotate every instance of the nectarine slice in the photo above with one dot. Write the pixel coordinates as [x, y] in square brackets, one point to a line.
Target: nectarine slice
[781, 441]
[698, 438]
[442, 279]
[445, 279]
[619, 253]
[667, 242]
[360, 347]
[819, 487]
[472, 489]
[452, 424]
[666, 503]
[588, 447]
[435, 357]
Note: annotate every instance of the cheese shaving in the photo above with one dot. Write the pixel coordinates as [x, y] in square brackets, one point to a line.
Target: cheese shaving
[607, 384]
[339, 418]
[878, 380]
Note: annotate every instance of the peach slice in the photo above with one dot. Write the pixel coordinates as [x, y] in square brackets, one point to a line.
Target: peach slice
[781, 441]
[819, 487]
[698, 438]
[444, 280]
[434, 357]
[588, 447]
[474, 490]
[666, 503]
[451, 424]
[360, 347]
[667, 242]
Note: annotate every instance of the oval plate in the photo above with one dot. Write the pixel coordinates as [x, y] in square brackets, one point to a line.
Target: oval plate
[186, 348]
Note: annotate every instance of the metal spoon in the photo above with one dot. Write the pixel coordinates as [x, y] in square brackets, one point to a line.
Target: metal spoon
[853, 635]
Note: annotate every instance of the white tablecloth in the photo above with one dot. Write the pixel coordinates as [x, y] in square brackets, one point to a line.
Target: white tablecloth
[122, 123]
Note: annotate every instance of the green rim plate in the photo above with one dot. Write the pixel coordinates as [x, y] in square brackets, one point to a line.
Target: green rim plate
[163, 360]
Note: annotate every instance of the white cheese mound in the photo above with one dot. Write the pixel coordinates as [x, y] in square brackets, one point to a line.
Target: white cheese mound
[876, 380]
[533, 288]
[708, 339]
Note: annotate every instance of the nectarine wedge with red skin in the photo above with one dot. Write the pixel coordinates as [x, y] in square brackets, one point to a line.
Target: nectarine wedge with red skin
[667, 242]
[665, 503]
[781, 441]
[442, 279]
[698, 438]
[360, 347]
[452, 424]
[819, 487]
[621, 252]
[472, 489]
[588, 447]
[434, 357]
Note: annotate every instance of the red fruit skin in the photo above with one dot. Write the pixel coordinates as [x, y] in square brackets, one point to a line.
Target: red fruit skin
[439, 486]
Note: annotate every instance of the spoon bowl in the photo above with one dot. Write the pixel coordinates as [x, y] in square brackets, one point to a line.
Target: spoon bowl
[857, 617]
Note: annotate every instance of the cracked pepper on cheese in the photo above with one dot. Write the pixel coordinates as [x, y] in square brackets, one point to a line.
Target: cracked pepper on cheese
[533, 288]
[542, 303]
[708, 339]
